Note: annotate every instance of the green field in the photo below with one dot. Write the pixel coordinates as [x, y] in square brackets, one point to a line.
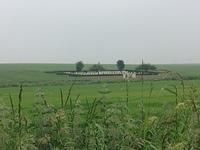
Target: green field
[34, 74]
[151, 119]
[159, 101]
[186, 70]
[90, 91]
[35, 77]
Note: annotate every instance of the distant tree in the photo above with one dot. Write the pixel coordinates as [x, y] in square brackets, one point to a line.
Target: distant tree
[146, 67]
[120, 65]
[97, 67]
[79, 66]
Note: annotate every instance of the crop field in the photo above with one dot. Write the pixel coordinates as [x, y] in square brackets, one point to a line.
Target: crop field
[97, 114]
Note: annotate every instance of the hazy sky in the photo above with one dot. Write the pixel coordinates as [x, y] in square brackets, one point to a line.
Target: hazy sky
[65, 31]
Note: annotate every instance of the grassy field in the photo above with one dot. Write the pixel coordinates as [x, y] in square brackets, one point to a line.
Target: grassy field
[186, 70]
[34, 74]
[159, 101]
[153, 117]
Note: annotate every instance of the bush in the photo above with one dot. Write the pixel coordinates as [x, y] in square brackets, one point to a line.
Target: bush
[97, 67]
[146, 68]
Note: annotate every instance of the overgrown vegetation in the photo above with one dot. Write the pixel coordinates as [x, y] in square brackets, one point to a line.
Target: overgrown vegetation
[146, 68]
[97, 67]
[101, 125]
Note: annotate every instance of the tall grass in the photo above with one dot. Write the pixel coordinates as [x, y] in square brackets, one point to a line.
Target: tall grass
[100, 125]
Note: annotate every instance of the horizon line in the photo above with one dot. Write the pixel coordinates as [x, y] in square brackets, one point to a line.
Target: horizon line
[24, 63]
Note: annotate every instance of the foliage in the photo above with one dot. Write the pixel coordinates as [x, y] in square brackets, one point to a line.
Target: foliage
[120, 65]
[97, 67]
[100, 125]
[79, 66]
[146, 67]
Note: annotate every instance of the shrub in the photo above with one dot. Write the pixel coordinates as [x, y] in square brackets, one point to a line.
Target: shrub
[146, 68]
[97, 67]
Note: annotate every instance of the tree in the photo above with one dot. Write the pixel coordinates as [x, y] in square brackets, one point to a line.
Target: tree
[79, 66]
[146, 67]
[120, 65]
[97, 67]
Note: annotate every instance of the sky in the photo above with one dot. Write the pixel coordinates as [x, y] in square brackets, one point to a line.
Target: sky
[66, 31]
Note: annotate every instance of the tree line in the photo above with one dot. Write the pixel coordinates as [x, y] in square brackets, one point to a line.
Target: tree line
[119, 64]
